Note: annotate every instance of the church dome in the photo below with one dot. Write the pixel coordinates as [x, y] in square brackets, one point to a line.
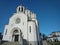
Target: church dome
[20, 9]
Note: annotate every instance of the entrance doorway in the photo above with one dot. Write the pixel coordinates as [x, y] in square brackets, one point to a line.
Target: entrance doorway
[16, 35]
[16, 38]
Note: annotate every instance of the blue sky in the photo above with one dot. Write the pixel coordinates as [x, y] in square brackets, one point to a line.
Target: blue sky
[48, 13]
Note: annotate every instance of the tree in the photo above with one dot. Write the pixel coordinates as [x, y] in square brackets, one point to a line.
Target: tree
[1, 36]
[44, 37]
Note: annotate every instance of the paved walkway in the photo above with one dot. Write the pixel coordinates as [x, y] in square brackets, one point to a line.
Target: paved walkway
[45, 42]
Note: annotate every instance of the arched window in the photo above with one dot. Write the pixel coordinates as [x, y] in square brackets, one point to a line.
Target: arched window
[19, 8]
[6, 32]
[22, 9]
[30, 29]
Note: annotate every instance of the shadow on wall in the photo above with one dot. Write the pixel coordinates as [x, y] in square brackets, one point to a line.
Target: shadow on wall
[25, 42]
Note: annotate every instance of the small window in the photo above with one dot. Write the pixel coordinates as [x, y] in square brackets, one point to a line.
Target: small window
[6, 32]
[30, 28]
[22, 9]
[19, 8]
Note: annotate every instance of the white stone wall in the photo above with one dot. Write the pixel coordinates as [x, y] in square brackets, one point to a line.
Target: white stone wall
[23, 27]
[27, 19]
[32, 36]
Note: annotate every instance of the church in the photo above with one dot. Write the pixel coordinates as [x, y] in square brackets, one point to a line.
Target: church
[22, 28]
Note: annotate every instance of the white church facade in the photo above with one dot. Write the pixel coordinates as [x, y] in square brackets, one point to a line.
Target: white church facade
[22, 26]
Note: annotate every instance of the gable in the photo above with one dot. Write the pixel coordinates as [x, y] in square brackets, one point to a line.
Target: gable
[16, 16]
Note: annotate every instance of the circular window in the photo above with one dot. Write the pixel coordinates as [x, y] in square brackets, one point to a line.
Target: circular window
[18, 20]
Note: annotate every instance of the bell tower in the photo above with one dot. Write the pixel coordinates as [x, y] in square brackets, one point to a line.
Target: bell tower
[20, 9]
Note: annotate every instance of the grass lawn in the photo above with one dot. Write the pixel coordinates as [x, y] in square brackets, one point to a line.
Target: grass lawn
[55, 43]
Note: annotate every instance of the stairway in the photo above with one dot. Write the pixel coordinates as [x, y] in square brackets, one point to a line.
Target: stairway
[12, 43]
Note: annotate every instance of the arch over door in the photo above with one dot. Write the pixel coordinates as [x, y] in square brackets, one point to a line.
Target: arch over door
[16, 35]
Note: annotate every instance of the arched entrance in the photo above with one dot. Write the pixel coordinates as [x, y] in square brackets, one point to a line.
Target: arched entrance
[16, 35]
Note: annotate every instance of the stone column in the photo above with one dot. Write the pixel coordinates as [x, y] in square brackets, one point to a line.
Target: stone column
[20, 38]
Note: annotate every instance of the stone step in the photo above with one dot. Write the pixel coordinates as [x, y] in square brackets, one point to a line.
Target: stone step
[11, 43]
